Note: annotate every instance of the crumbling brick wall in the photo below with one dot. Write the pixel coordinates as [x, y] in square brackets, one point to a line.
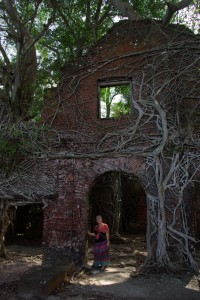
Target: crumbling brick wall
[66, 218]
[84, 145]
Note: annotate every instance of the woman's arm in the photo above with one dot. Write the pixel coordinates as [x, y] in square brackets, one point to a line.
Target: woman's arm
[108, 238]
[91, 234]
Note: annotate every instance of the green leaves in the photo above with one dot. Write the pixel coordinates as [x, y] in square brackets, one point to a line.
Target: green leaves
[115, 100]
[20, 141]
[73, 27]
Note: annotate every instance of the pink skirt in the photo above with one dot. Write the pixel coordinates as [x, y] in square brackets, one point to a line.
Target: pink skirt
[101, 254]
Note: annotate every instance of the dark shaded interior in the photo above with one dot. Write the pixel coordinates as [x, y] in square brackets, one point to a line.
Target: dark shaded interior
[196, 210]
[121, 200]
[27, 224]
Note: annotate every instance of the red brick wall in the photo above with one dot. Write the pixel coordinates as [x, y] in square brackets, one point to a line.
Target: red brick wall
[66, 218]
[72, 113]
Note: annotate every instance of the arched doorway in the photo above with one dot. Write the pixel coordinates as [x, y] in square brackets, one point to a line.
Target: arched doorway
[121, 200]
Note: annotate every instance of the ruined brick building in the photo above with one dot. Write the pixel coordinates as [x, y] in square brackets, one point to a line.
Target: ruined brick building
[121, 120]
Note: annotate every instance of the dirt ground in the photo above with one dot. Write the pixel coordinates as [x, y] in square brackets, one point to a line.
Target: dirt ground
[120, 281]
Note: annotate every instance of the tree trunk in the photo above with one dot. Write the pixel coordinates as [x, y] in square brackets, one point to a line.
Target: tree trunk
[174, 7]
[25, 67]
[6, 217]
[117, 203]
[158, 257]
[3, 251]
[125, 9]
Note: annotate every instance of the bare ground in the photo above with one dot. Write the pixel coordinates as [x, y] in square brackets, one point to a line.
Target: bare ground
[120, 281]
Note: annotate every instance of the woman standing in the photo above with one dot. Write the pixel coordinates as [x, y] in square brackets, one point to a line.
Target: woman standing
[101, 244]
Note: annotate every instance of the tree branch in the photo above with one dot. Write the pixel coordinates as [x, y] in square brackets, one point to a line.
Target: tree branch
[125, 9]
[174, 7]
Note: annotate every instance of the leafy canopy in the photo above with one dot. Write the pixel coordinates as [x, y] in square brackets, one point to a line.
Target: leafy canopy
[59, 32]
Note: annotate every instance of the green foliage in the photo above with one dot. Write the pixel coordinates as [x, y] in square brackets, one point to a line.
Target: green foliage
[19, 142]
[115, 100]
[150, 8]
[120, 108]
[75, 27]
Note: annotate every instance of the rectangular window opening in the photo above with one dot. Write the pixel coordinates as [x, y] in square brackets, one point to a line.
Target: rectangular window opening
[114, 98]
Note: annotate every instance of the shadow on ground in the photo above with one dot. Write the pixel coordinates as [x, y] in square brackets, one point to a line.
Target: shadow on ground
[115, 283]
[121, 280]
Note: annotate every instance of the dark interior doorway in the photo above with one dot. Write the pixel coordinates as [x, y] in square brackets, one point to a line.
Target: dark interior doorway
[196, 210]
[121, 200]
[27, 225]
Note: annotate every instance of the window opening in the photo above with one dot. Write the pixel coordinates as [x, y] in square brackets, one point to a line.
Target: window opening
[115, 98]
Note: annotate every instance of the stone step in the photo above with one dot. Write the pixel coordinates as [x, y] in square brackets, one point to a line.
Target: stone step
[40, 283]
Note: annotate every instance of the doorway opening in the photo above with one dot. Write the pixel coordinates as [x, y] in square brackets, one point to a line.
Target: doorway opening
[27, 225]
[121, 201]
[23, 241]
[196, 213]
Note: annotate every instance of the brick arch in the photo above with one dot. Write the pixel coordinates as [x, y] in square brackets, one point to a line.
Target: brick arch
[132, 208]
[93, 169]
[66, 218]
[127, 165]
[97, 168]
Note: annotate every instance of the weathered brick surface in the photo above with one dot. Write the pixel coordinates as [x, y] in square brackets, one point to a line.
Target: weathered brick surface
[66, 218]
[72, 112]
